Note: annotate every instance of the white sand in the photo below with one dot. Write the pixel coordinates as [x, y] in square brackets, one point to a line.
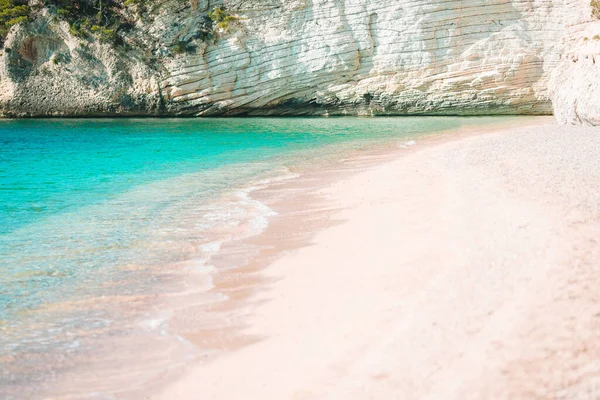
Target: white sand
[463, 270]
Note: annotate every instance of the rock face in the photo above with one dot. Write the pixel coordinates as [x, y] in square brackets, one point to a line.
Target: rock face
[300, 57]
[575, 84]
[44, 71]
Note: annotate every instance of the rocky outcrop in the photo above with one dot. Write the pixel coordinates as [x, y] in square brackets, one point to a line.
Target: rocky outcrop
[314, 57]
[45, 71]
[575, 84]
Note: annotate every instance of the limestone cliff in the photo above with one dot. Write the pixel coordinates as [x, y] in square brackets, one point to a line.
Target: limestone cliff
[575, 84]
[279, 57]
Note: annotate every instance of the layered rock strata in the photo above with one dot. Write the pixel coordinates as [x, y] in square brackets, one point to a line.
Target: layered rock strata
[298, 57]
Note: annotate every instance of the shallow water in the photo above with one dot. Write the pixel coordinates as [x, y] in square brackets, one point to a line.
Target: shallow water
[98, 218]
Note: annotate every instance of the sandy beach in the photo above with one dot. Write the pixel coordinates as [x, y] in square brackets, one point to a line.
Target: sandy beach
[462, 268]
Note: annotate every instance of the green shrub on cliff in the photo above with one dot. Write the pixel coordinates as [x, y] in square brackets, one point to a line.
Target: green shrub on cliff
[221, 18]
[105, 34]
[12, 12]
[180, 47]
[218, 19]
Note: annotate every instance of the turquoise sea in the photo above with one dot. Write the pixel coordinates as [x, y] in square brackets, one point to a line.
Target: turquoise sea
[93, 213]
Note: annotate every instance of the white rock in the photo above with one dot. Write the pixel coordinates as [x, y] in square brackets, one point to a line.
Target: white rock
[361, 57]
[575, 84]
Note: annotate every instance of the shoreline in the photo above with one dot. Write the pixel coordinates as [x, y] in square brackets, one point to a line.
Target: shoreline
[271, 115]
[242, 283]
[237, 320]
[180, 295]
[298, 201]
[269, 310]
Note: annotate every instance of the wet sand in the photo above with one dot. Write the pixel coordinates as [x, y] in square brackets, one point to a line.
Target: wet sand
[460, 268]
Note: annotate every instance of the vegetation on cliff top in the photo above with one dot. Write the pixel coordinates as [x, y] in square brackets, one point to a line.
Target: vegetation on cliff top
[12, 12]
[104, 19]
[107, 20]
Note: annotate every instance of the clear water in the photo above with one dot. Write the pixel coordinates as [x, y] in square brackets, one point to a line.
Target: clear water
[95, 209]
